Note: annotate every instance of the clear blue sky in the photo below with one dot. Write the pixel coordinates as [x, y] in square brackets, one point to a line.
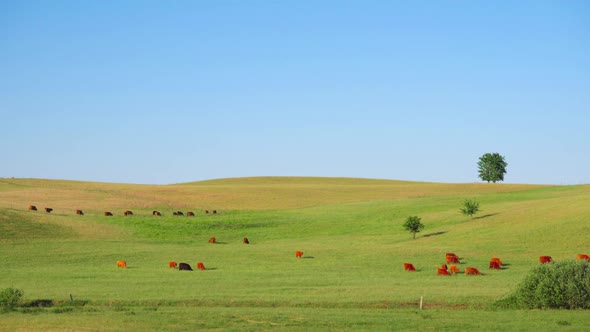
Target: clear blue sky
[174, 91]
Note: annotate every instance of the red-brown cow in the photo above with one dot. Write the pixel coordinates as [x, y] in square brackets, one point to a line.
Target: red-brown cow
[128, 213]
[497, 260]
[452, 258]
[32, 208]
[79, 212]
[190, 214]
[212, 240]
[471, 271]
[156, 213]
[245, 241]
[172, 264]
[108, 214]
[442, 272]
[583, 257]
[495, 265]
[122, 264]
[545, 259]
[201, 266]
[298, 254]
[453, 269]
[409, 267]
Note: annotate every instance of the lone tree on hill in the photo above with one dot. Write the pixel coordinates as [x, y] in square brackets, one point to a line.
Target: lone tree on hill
[470, 207]
[492, 167]
[413, 225]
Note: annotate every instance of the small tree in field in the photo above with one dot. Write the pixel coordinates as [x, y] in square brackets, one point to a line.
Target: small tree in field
[470, 207]
[413, 225]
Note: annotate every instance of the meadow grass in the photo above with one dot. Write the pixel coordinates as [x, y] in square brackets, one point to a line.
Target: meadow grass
[350, 277]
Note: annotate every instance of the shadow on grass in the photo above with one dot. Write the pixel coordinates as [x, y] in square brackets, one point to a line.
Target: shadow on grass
[308, 257]
[485, 216]
[434, 234]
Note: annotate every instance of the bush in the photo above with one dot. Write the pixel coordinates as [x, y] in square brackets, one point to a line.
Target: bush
[9, 298]
[564, 285]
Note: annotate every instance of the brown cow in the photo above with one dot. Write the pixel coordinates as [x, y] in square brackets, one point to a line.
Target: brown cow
[32, 208]
[48, 210]
[409, 267]
[174, 213]
[122, 264]
[172, 264]
[156, 213]
[583, 257]
[452, 258]
[190, 214]
[442, 272]
[179, 213]
[298, 254]
[453, 269]
[201, 266]
[184, 267]
[497, 260]
[206, 211]
[495, 265]
[214, 211]
[545, 259]
[79, 212]
[108, 214]
[471, 271]
[245, 241]
[128, 213]
[212, 240]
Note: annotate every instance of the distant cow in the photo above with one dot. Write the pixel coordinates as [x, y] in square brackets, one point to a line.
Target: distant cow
[201, 266]
[32, 208]
[122, 264]
[471, 271]
[179, 213]
[442, 272]
[298, 254]
[108, 214]
[79, 212]
[174, 213]
[212, 240]
[206, 211]
[453, 269]
[583, 257]
[245, 241]
[156, 213]
[184, 267]
[497, 260]
[128, 213]
[190, 214]
[495, 265]
[452, 258]
[48, 210]
[172, 264]
[214, 211]
[545, 259]
[409, 267]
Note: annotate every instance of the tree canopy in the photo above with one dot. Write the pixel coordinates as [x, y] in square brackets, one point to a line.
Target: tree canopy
[413, 225]
[492, 167]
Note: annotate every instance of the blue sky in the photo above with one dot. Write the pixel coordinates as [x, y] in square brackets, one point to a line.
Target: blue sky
[174, 91]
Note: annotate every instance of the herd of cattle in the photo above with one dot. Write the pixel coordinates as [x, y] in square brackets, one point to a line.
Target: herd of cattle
[130, 213]
[495, 264]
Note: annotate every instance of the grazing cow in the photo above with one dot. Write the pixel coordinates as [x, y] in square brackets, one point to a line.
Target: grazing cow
[497, 260]
[442, 272]
[48, 210]
[184, 267]
[471, 271]
[108, 214]
[122, 264]
[128, 213]
[409, 267]
[214, 211]
[200, 266]
[453, 269]
[156, 213]
[174, 213]
[452, 258]
[190, 214]
[495, 265]
[298, 254]
[444, 266]
[179, 213]
[583, 257]
[545, 259]
[79, 212]
[212, 240]
[32, 208]
[172, 264]
[245, 241]
[206, 211]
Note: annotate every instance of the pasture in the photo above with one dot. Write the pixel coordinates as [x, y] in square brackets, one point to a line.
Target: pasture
[350, 277]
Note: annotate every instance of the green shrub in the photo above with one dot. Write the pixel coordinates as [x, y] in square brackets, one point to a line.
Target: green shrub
[563, 285]
[9, 298]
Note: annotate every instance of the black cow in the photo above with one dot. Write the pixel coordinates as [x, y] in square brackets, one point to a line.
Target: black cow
[184, 266]
[48, 210]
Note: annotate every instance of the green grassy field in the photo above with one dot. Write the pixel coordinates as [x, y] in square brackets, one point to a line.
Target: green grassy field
[351, 276]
